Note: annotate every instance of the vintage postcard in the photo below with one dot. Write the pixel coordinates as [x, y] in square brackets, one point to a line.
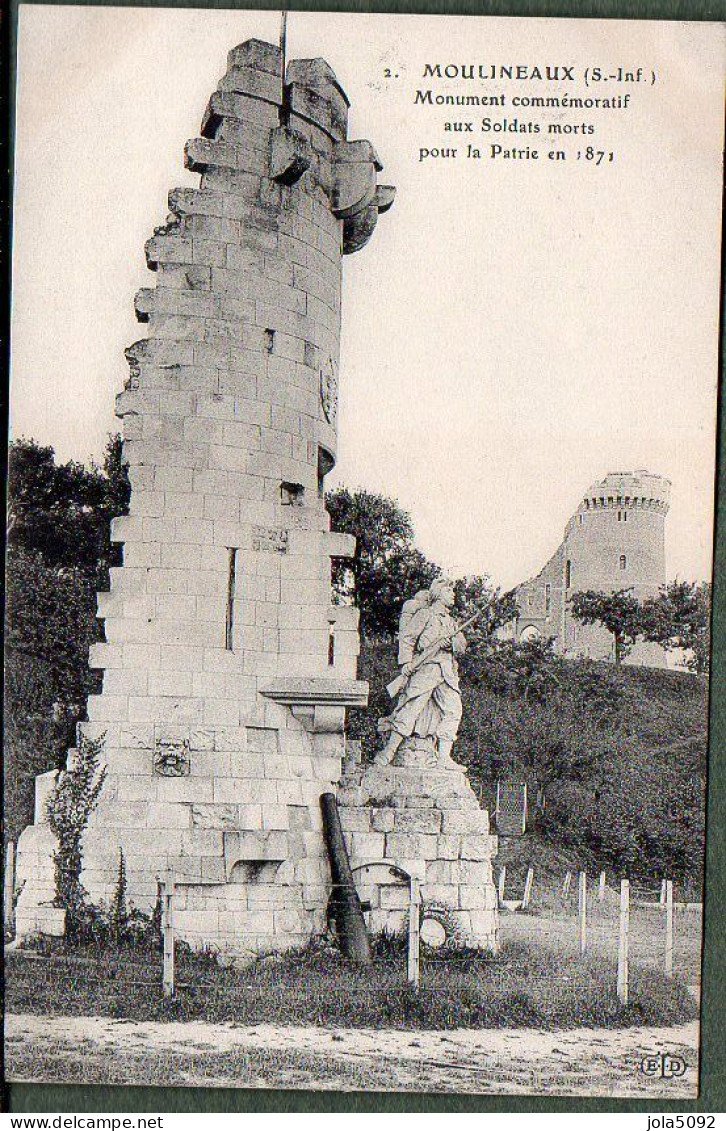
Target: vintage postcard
[357, 669]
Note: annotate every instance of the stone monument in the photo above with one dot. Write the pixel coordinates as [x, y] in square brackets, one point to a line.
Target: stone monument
[424, 722]
[226, 668]
[413, 811]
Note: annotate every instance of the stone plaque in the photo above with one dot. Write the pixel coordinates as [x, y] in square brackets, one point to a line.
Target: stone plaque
[215, 816]
[270, 539]
[171, 757]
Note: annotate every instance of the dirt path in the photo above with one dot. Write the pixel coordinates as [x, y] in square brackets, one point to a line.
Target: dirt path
[563, 1062]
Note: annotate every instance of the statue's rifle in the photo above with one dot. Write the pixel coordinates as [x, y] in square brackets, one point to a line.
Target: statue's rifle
[397, 685]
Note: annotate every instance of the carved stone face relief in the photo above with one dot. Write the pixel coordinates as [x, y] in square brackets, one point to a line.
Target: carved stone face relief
[171, 757]
[329, 390]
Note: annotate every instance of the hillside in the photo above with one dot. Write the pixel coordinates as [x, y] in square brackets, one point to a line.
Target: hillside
[614, 758]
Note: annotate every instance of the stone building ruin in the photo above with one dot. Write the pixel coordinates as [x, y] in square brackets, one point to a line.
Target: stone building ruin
[227, 670]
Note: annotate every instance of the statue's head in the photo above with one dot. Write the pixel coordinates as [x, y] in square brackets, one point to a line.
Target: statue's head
[422, 597]
[443, 591]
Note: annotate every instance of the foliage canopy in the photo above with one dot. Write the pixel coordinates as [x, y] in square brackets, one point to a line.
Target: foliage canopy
[59, 553]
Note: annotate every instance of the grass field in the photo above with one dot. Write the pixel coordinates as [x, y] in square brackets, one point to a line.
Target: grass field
[554, 923]
[537, 1017]
[523, 986]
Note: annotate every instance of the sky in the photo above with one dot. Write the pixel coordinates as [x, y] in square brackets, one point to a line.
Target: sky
[514, 330]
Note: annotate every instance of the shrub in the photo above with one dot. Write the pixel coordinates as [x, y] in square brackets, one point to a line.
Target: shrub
[119, 915]
[69, 807]
[617, 756]
[520, 986]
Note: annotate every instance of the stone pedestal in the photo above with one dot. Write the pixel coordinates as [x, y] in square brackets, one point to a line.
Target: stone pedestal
[423, 820]
[35, 876]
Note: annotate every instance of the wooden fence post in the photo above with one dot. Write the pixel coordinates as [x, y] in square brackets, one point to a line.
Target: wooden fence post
[582, 911]
[623, 941]
[566, 886]
[167, 926]
[502, 880]
[414, 933]
[9, 885]
[528, 887]
[669, 929]
[601, 888]
[663, 892]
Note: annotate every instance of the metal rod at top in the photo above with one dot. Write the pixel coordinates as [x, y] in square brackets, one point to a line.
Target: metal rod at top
[283, 42]
[284, 107]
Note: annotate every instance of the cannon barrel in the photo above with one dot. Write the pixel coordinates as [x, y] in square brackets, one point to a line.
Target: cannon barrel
[344, 907]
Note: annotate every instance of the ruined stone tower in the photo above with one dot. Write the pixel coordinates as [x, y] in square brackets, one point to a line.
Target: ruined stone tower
[226, 669]
[614, 540]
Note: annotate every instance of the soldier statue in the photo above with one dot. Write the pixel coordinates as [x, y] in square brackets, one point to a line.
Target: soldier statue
[428, 707]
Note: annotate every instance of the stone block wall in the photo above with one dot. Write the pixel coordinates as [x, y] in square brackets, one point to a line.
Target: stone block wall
[425, 822]
[226, 667]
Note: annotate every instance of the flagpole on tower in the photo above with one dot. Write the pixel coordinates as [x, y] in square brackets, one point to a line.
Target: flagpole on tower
[283, 41]
[284, 109]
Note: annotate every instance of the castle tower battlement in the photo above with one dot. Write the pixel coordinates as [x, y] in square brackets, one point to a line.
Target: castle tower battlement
[226, 667]
[637, 490]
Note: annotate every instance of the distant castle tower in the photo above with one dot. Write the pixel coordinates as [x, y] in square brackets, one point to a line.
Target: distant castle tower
[614, 540]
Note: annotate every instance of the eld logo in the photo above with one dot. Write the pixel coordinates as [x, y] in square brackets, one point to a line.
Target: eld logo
[663, 1064]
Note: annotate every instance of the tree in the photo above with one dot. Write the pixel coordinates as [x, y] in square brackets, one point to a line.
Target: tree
[51, 619]
[477, 594]
[63, 511]
[680, 618]
[387, 567]
[59, 551]
[117, 494]
[34, 738]
[620, 613]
